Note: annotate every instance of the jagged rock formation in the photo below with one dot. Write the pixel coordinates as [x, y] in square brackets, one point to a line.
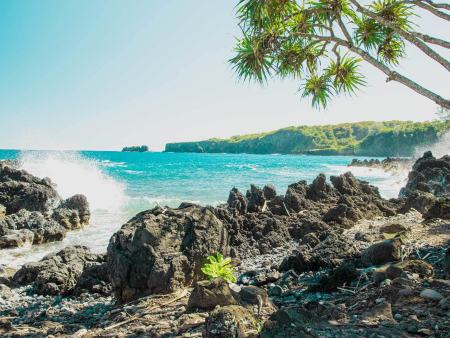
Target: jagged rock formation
[32, 212]
[163, 250]
[388, 164]
[58, 271]
[430, 175]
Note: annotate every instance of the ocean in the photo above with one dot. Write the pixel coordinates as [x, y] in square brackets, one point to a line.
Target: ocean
[119, 185]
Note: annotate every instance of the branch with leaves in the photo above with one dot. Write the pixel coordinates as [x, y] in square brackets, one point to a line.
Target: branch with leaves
[323, 42]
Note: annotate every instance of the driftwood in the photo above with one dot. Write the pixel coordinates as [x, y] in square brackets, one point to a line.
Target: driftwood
[147, 310]
[336, 323]
[186, 327]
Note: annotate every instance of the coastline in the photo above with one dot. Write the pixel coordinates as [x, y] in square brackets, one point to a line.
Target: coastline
[287, 248]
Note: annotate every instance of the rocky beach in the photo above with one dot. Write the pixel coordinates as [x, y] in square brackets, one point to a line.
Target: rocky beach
[322, 260]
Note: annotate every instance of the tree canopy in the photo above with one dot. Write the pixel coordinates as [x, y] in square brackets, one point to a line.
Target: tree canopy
[323, 42]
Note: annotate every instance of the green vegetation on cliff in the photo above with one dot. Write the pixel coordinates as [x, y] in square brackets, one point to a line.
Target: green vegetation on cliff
[392, 138]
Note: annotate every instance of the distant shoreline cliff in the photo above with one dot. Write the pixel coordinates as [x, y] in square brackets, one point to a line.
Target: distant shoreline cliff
[136, 149]
[391, 138]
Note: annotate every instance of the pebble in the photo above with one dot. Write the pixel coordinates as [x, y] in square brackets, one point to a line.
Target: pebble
[431, 294]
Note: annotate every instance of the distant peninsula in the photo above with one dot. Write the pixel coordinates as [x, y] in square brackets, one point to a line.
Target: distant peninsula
[391, 138]
[136, 149]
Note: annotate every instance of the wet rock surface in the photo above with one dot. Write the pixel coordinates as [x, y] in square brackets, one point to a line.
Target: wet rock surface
[429, 175]
[32, 212]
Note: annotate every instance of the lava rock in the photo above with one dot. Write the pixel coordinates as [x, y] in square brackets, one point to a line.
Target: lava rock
[252, 294]
[294, 322]
[21, 190]
[57, 272]
[418, 266]
[16, 239]
[231, 321]
[160, 251]
[208, 294]
[429, 175]
[383, 252]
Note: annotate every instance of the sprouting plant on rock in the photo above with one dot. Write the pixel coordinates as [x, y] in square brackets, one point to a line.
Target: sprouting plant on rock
[219, 267]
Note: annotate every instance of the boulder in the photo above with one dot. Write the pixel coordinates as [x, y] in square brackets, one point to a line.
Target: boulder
[231, 322]
[418, 200]
[393, 228]
[430, 175]
[294, 322]
[237, 201]
[17, 239]
[255, 198]
[57, 272]
[160, 251]
[329, 253]
[382, 311]
[440, 209]
[2, 211]
[21, 190]
[5, 292]
[383, 252]
[73, 213]
[254, 295]
[44, 229]
[94, 278]
[208, 294]
[422, 268]
[431, 295]
[270, 192]
[444, 303]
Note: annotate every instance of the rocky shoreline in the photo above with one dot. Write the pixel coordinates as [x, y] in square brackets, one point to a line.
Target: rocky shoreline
[322, 260]
[388, 164]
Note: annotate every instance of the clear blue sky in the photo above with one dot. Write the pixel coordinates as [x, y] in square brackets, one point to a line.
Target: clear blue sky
[100, 75]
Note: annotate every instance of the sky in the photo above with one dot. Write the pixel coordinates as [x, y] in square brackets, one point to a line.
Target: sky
[101, 75]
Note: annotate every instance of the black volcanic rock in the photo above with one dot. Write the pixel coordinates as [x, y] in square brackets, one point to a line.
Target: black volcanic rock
[430, 175]
[160, 251]
[21, 190]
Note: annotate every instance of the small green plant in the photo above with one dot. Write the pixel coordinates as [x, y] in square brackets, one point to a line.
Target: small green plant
[219, 267]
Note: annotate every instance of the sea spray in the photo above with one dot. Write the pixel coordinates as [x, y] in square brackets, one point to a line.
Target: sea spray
[439, 149]
[74, 174]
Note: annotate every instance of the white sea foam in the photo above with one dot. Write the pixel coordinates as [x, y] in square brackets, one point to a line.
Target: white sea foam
[74, 174]
[388, 183]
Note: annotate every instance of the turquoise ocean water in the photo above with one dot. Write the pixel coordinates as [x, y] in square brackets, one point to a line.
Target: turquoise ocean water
[119, 185]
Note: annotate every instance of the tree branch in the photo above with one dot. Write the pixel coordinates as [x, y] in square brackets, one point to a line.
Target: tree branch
[408, 36]
[431, 39]
[432, 9]
[443, 6]
[392, 75]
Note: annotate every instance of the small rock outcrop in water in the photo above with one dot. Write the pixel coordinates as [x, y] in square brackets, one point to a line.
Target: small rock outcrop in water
[32, 212]
[136, 149]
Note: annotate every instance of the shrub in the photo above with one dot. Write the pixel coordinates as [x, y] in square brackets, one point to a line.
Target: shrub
[219, 268]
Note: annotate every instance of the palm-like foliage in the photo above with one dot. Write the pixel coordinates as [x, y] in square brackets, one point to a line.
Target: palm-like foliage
[301, 39]
[219, 267]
